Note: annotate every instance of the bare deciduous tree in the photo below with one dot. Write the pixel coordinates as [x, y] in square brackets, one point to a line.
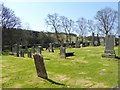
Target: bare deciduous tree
[65, 25]
[82, 26]
[8, 18]
[106, 19]
[54, 22]
[91, 26]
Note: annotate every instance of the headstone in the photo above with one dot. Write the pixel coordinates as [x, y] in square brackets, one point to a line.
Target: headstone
[92, 43]
[29, 54]
[38, 49]
[20, 48]
[109, 47]
[33, 49]
[102, 42]
[95, 43]
[51, 48]
[40, 67]
[81, 45]
[98, 40]
[62, 52]
[77, 44]
[22, 53]
[16, 48]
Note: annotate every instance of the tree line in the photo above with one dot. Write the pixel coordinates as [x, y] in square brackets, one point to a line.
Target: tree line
[104, 23]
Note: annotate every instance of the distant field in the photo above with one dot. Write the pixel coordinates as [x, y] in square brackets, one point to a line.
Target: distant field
[87, 69]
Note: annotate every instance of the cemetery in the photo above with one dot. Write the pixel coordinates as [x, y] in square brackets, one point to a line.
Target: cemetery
[75, 54]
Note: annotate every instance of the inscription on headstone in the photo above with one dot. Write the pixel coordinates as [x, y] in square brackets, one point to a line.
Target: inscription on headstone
[109, 47]
[40, 67]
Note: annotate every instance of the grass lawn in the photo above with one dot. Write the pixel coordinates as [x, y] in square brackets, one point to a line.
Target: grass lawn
[87, 69]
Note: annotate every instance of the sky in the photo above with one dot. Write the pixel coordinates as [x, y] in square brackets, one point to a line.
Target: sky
[35, 13]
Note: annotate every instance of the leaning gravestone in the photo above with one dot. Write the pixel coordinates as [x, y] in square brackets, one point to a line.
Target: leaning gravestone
[40, 67]
[62, 52]
[109, 47]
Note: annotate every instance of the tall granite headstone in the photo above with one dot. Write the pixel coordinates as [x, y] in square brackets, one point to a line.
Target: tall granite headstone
[40, 67]
[62, 52]
[109, 47]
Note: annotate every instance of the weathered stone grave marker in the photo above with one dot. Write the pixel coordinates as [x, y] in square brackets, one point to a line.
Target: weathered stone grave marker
[33, 49]
[109, 47]
[51, 48]
[38, 49]
[22, 53]
[40, 67]
[93, 38]
[77, 44]
[29, 54]
[16, 50]
[62, 52]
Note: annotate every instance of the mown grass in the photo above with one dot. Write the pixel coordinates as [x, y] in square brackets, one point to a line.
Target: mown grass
[87, 69]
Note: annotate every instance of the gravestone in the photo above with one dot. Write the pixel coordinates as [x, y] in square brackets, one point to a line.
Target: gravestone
[51, 48]
[40, 67]
[102, 42]
[20, 48]
[98, 40]
[95, 43]
[16, 49]
[33, 49]
[109, 47]
[22, 53]
[92, 43]
[62, 52]
[38, 49]
[29, 54]
[77, 44]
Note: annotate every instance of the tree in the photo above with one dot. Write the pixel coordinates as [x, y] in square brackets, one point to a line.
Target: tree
[106, 19]
[81, 27]
[8, 18]
[65, 25]
[91, 26]
[54, 22]
[71, 28]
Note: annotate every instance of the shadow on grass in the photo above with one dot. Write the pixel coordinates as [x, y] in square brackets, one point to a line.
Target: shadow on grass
[53, 82]
[46, 59]
[117, 57]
